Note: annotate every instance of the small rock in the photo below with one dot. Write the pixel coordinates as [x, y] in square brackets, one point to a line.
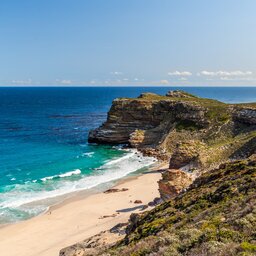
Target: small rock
[144, 207]
[138, 202]
[157, 200]
[151, 204]
[114, 190]
[108, 216]
[111, 190]
[119, 228]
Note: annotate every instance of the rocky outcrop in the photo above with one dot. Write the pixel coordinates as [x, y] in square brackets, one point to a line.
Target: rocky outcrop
[124, 117]
[179, 94]
[150, 116]
[173, 182]
[136, 138]
[188, 155]
[245, 115]
[193, 132]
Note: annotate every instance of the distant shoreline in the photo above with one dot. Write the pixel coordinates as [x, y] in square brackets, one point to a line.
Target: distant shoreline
[127, 86]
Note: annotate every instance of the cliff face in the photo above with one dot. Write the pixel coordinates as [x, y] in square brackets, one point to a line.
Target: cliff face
[210, 205]
[193, 132]
[149, 112]
[245, 115]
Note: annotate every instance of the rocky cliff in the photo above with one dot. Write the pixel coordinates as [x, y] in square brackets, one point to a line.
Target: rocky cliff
[194, 133]
[209, 187]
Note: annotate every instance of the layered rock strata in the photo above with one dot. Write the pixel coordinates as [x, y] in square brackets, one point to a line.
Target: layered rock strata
[193, 132]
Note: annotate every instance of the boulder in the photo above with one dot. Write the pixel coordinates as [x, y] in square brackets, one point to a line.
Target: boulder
[138, 202]
[173, 182]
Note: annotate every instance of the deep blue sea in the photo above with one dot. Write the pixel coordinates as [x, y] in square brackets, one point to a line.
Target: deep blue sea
[43, 143]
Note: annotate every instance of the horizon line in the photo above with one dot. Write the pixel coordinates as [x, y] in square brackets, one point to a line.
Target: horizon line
[113, 86]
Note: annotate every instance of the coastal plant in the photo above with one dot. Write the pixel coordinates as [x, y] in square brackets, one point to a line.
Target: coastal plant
[215, 216]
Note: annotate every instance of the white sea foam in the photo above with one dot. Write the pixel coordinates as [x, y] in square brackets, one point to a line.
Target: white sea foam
[115, 161]
[48, 178]
[112, 170]
[88, 154]
[67, 174]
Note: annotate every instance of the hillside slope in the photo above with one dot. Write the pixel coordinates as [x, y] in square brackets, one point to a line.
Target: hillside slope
[215, 216]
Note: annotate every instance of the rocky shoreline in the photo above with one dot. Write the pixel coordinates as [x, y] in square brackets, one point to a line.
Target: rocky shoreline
[165, 126]
[195, 135]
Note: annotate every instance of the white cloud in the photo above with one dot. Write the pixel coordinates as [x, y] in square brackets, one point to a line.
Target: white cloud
[22, 82]
[183, 79]
[226, 78]
[221, 73]
[164, 81]
[116, 73]
[139, 79]
[180, 73]
[65, 81]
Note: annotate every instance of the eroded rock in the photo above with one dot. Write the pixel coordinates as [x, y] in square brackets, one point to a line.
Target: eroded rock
[187, 153]
[173, 182]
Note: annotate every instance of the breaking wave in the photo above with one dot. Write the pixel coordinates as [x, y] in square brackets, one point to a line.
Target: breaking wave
[67, 174]
[34, 197]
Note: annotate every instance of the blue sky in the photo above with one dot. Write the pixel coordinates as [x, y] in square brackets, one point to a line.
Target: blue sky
[127, 42]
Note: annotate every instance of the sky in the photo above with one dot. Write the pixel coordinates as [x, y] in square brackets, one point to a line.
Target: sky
[128, 42]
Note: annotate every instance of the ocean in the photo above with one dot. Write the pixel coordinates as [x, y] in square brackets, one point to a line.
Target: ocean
[44, 154]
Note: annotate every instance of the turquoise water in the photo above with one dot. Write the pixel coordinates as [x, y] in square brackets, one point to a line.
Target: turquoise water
[43, 143]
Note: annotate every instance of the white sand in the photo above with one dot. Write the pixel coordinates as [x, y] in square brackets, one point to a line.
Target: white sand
[76, 219]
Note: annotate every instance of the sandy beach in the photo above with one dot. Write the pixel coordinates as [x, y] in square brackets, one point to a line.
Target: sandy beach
[77, 219]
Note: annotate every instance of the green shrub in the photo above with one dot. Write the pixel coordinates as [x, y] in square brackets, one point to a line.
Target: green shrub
[187, 125]
[248, 246]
